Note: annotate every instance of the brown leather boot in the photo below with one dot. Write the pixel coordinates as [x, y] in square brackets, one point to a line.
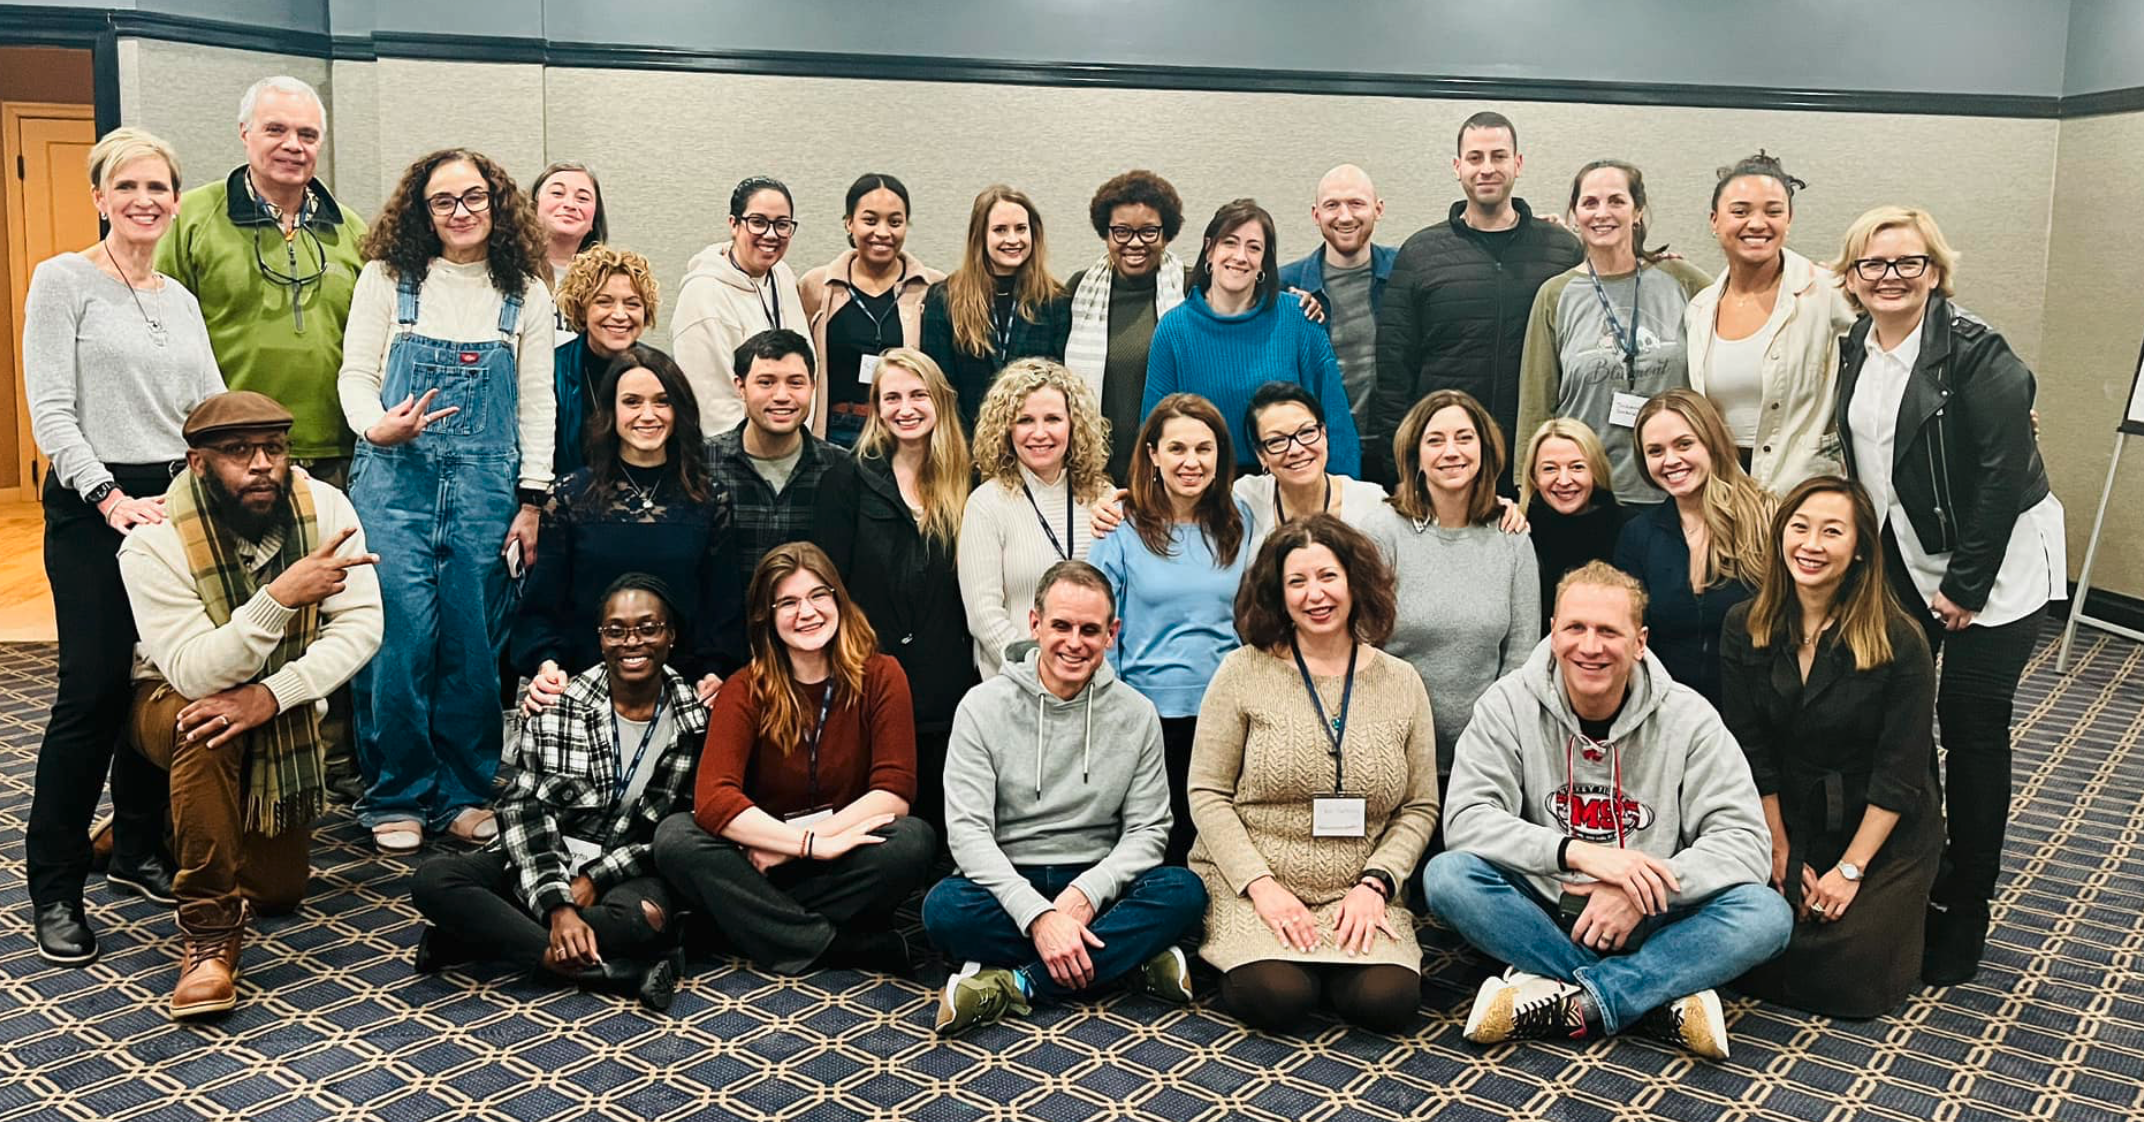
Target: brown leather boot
[208, 976]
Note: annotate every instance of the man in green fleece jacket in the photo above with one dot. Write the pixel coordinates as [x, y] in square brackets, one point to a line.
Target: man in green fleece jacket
[1605, 838]
[1057, 813]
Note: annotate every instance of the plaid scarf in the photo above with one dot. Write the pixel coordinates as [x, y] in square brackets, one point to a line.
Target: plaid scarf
[284, 780]
[1087, 347]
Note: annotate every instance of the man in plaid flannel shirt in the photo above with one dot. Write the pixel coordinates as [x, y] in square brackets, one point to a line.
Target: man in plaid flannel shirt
[771, 463]
[568, 887]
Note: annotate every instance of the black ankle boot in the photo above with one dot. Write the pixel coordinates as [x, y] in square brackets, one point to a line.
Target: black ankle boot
[437, 951]
[881, 951]
[147, 877]
[64, 937]
[1958, 936]
[653, 984]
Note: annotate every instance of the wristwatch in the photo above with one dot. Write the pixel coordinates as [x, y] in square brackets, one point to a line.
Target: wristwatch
[531, 496]
[100, 492]
[1384, 879]
[1850, 871]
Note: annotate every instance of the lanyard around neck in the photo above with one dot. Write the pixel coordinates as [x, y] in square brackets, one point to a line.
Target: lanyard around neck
[1062, 546]
[818, 733]
[624, 778]
[1335, 727]
[1626, 342]
[1280, 517]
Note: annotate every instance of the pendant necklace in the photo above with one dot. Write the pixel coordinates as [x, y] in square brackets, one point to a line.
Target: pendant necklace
[156, 325]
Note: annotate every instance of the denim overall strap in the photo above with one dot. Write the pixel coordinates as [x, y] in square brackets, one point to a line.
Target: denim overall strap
[406, 305]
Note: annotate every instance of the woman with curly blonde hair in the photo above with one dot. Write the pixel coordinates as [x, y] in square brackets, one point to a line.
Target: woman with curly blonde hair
[607, 299]
[1703, 551]
[446, 372]
[1042, 450]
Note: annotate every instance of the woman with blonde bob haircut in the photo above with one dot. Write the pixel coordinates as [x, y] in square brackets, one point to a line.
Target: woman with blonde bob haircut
[1572, 513]
[1830, 690]
[1935, 419]
[1042, 449]
[889, 519]
[607, 300]
[1001, 304]
[1703, 551]
[1439, 531]
[810, 764]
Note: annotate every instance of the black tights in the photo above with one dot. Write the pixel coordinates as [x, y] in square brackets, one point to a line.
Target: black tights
[1278, 996]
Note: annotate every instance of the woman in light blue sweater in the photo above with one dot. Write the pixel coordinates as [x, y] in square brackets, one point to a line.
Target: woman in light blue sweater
[1469, 592]
[1231, 336]
[1174, 572]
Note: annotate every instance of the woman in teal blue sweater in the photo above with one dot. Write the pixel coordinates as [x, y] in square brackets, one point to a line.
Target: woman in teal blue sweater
[1174, 572]
[1231, 336]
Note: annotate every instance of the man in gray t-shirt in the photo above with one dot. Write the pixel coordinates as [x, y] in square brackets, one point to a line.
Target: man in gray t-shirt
[1347, 275]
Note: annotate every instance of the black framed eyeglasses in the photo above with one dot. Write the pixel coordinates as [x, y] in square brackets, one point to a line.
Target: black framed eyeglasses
[297, 276]
[1309, 436]
[476, 200]
[649, 629]
[759, 224]
[1126, 235]
[1872, 269]
[244, 451]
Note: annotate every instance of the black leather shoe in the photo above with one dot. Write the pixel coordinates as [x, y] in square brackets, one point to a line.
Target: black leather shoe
[437, 951]
[345, 788]
[658, 987]
[882, 951]
[64, 937]
[148, 878]
[1960, 937]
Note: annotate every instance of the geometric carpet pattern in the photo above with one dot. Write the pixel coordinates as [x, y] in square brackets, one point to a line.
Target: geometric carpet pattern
[333, 1024]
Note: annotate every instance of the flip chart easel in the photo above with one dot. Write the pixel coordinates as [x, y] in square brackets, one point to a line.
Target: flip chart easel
[2132, 425]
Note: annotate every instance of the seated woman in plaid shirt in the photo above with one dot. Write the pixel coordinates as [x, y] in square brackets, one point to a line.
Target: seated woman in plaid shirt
[569, 887]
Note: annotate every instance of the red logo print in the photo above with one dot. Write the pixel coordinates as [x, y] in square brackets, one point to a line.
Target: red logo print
[1589, 812]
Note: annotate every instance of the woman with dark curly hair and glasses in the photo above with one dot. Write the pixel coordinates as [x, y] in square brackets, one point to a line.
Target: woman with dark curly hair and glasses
[446, 379]
[1117, 300]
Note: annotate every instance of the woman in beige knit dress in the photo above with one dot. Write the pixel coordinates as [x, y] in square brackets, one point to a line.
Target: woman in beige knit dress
[1313, 779]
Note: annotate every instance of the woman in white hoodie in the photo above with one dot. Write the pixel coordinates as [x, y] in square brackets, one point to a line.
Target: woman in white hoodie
[733, 291]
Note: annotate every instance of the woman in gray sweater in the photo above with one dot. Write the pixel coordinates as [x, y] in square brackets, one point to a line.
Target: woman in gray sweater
[1469, 593]
[115, 354]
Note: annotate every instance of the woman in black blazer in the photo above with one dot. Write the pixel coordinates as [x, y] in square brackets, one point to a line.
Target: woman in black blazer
[1830, 690]
[1935, 418]
[889, 518]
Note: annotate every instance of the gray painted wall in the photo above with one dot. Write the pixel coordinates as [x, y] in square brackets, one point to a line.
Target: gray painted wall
[2106, 49]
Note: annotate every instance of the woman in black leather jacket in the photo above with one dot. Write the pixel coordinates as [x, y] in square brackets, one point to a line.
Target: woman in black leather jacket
[1935, 418]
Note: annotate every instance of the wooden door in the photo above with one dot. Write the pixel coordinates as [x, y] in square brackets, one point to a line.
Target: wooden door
[46, 150]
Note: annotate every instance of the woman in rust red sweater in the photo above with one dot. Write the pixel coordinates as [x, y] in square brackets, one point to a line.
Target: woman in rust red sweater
[799, 846]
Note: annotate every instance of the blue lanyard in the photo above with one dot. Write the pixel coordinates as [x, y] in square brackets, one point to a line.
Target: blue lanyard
[1627, 341]
[1060, 545]
[818, 732]
[624, 778]
[1335, 727]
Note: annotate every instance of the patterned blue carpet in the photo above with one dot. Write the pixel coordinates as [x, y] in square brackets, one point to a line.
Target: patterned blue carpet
[335, 1026]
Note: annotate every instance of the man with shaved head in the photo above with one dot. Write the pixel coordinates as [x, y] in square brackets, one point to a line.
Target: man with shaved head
[1347, 275]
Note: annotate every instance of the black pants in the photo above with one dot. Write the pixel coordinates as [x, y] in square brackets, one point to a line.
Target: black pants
[1278, 996]
[929, 803]
[96, 632]
[1176, 734]
[470, 897]
[1976, 687]
[784, 919]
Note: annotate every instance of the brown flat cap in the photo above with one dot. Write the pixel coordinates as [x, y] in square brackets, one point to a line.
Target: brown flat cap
[232, 411]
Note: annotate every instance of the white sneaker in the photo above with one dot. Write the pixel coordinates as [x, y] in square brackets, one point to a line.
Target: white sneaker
[1522, 1006]
[1696, 1023]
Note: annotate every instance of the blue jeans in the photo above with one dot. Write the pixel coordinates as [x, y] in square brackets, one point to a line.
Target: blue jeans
[968, 923]
[1686, 950]
[436, 510]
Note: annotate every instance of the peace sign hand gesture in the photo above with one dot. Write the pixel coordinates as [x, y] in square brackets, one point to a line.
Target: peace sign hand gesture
[407, 421]
[319, 574]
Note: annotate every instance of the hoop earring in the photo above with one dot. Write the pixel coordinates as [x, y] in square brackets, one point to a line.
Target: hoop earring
[1261, 277]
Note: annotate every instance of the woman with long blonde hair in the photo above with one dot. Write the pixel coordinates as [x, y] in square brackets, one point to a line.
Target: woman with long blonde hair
[888, 518]
[1001, 304]
[810, 763]
[1702, 552]
[1042, 450]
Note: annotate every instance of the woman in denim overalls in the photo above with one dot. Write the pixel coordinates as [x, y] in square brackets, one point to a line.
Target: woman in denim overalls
[446, 378]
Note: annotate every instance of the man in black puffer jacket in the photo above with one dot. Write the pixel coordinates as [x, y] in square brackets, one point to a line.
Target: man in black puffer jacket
[1455, 310]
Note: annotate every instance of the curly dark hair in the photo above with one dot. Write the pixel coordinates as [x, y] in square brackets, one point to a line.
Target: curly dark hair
[403, 238]
[1135, 187]
[1262, 618]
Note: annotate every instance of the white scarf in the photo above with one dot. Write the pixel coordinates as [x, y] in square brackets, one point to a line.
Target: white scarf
[1087, 348]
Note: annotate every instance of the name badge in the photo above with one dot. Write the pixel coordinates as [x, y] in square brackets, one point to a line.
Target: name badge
[1625, 411]
[1338, 816]
[866, 369]
[804, 818]
[582, 851]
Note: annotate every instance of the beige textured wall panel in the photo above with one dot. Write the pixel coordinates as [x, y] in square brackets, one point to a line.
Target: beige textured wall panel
[496, 109]
[2095, 315]
[669, 146]
[189, 96]
[354, 136]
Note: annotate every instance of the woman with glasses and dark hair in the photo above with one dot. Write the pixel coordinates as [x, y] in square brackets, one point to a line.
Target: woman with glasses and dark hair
[569, 207]
[446, 377]
[1000, 305]
[1935, 416]
[867, 301]
[571, 889]
[1831, 692]
[1117, 301]
[646, 503]
[734, 290]
[1232, 335]
[799, 844]
[608, 298]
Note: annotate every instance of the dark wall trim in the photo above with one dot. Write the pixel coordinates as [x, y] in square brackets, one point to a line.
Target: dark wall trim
[76, 27]
[2115, 608]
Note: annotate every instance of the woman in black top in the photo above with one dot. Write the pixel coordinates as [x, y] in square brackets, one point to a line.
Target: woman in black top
[865, 302]
[1116, 301]
[889, 518]
[1001, 304]
[645, 503]
[1831, 692]
[1574, 518]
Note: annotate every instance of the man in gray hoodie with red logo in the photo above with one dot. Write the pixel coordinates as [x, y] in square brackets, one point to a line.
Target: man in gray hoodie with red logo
[1605, 838]
[1057, 813]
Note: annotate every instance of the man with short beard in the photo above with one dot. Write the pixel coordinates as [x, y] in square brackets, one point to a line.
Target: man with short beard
[254, 599]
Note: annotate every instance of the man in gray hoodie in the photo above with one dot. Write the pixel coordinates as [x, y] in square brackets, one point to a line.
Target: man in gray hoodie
[1604, 838]
[1057, 813]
